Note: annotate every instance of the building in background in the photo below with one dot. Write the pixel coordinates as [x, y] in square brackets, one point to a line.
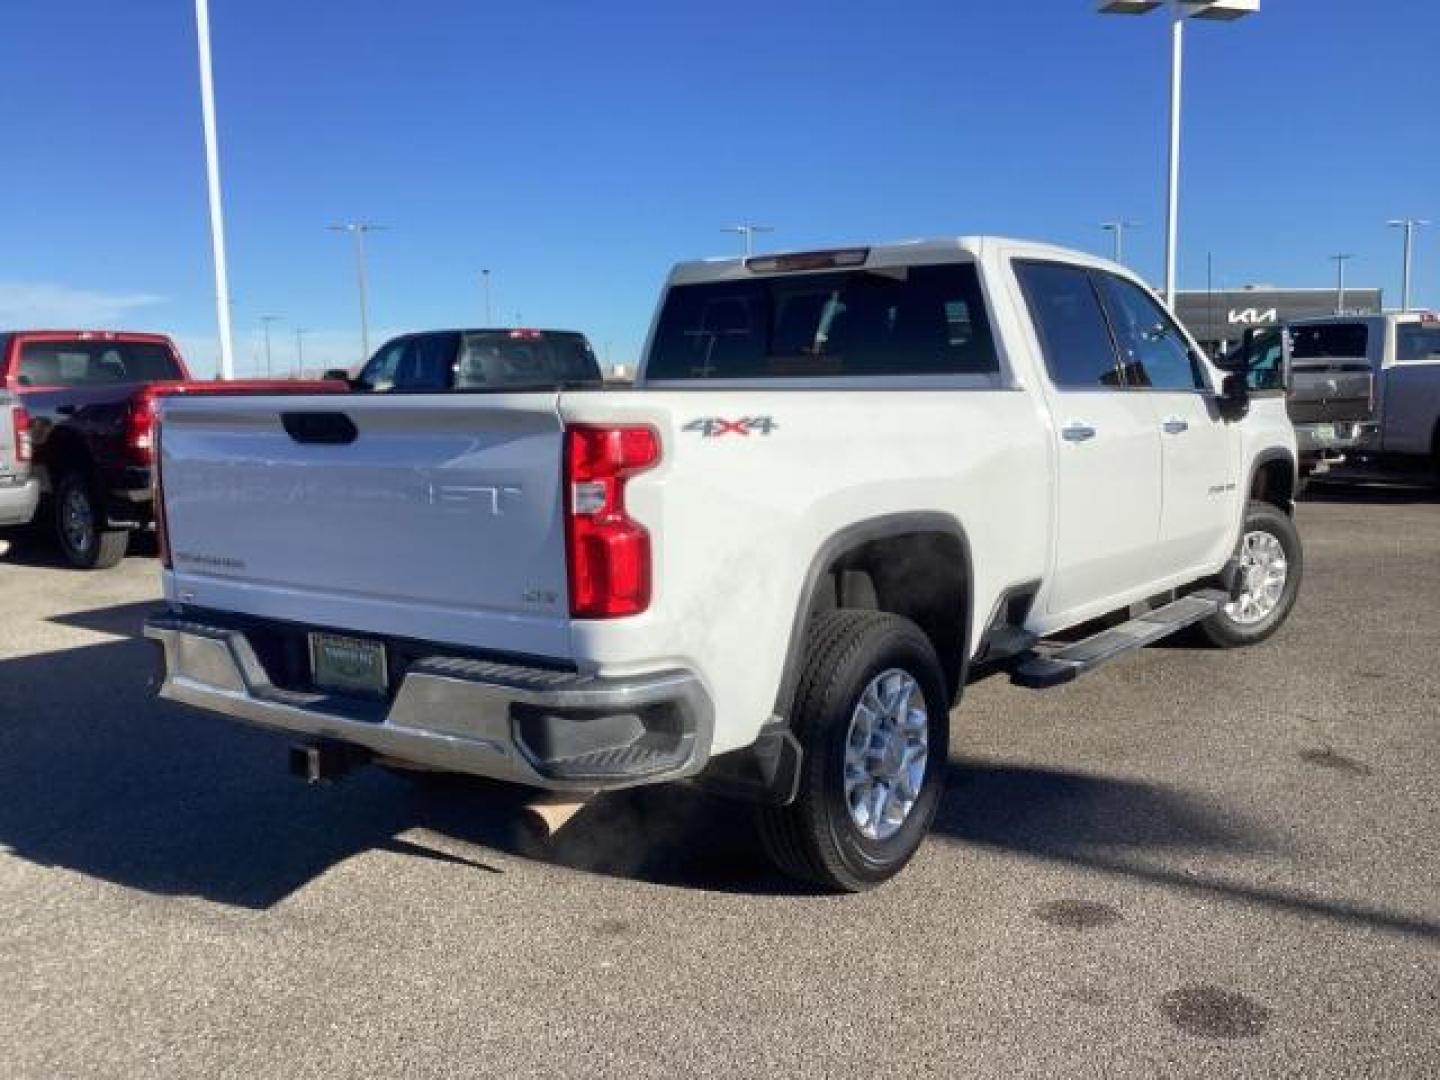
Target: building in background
[1219, 319]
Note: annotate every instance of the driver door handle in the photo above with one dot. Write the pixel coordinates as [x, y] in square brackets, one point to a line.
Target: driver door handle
[1173, 425]
[1077, 431]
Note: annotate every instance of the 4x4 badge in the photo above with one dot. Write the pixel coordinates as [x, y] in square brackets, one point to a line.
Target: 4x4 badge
[712, 427]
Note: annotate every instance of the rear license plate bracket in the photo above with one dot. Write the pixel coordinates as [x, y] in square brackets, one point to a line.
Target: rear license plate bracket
[348, 665]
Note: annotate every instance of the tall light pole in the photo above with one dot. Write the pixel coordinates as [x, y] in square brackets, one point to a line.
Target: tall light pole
[1340, 260]
[485, 280]
[265, 321]
[212, 180]
[1119, 228]
[358, 229]
[1409, 225]
[1180, 10]
[748, 231]
[300, 333]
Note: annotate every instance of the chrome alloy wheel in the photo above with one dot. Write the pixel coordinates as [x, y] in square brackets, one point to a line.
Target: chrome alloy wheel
[885, 754]
[77, 519]
[1263, 572]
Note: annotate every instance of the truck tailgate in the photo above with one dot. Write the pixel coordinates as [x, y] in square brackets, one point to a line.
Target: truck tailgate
[438, 518]
[1326, 391]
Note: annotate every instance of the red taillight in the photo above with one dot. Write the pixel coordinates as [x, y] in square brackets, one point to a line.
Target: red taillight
[20, 422]
[140, 428]
[609, 552]
[157, 492]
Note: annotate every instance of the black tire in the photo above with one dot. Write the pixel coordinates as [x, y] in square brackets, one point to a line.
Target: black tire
[83, 541]
[815, 838]
[1228, 632]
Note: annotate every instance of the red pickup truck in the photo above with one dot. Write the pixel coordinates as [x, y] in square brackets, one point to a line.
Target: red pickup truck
[88, 400]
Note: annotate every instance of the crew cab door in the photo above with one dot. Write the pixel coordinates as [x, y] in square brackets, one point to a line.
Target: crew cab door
[1412, 391]
[1107, 446]
[1198, 491]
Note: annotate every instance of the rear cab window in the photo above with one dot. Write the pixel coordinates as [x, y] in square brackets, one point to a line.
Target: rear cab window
[83, 362]
[922, 320]
[1331, 341]
[526, 358]
[1417, 343]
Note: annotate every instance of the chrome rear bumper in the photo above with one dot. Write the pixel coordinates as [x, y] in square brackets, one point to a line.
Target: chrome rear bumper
[550, 729]
[18, 501]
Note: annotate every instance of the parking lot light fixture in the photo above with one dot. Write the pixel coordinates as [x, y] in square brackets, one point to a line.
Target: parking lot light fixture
[1118, 229]
[1409, 225]
[1340, 260]
[212, 180]
[1222, 10]
[358, 229]
[265, 321]
[748, 231]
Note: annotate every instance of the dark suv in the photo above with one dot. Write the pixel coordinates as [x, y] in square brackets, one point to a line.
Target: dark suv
[440, 360]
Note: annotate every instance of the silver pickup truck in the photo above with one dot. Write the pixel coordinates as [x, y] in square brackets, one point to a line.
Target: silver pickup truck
[19, 490]
[1364, 389]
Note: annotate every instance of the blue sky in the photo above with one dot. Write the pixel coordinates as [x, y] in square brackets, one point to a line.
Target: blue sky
[577, 149]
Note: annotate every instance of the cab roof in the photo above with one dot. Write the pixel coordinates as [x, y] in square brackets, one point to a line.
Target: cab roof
[893, 253]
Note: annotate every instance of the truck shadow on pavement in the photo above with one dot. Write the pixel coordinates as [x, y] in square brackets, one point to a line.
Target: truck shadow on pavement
[34, 545]
[1132, 830]
[1371, 494]
[102, 779]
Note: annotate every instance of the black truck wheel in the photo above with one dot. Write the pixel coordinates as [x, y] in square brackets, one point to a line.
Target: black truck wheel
[872, 719]
[79, 518]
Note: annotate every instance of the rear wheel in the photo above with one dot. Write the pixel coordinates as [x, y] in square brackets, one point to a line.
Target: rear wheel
[1271, 563]
[85, 544]
[872, 719]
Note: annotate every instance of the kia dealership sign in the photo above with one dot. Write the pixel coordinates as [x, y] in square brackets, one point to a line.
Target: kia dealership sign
[1225, 315]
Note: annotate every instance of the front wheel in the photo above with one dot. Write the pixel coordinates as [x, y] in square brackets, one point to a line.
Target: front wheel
[85, 544]
[872, 719]
[1271, 564]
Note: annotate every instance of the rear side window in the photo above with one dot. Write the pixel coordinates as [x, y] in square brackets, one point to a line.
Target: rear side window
[1330, 341]
[1416, 343]
[1071, 325]
[1153, 352]
[917, 320]
[96, 363]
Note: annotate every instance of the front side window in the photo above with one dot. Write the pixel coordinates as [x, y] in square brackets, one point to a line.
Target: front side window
[1261, 360]
[1070, 324]
[1153, 351]
[96, 363]
[916, 320]
[418, 363]
[379, 373]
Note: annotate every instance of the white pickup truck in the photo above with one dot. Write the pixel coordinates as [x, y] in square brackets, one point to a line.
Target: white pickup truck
[19, 490]
[844, 482]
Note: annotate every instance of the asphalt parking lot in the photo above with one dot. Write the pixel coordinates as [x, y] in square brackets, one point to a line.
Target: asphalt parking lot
[1191, 863]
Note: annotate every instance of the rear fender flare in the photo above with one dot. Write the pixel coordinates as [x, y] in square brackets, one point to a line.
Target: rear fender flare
[852, 536]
